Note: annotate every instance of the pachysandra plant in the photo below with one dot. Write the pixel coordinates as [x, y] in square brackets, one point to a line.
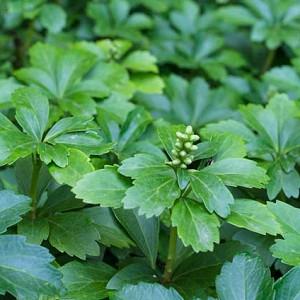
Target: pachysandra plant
[149, 149]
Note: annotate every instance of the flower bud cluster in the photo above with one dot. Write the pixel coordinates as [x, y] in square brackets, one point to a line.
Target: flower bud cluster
[184, 146]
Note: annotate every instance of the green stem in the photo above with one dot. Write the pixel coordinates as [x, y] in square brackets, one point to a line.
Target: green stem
[171, 256]
[36, 166]
[269, 61]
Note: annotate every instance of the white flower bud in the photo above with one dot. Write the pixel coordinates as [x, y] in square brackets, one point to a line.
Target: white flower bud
[180, 135]
[194, 147]
[188, 145]
[183, 166]
[194, 138]
[182, 153]
[189, 129]
[187, 161]
[178, 145]
[176, 162]
[174, 152]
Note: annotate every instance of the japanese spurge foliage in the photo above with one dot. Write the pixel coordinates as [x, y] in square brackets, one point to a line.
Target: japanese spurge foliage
[149, 150]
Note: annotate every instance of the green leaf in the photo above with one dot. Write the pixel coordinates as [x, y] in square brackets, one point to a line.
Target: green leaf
[111, 233]
[53, 17]
[146, 291]
[32, 111]
[26, 270]
[236, 15]
[67, 125]
[60, 200]
[131, 274]
[199, 271]
[135, 124]
[287, 216]
[288, 250]
[140, 61]
[211, 190]
[154, 193]
[12, 206]
[106, 187]
[239, 172]
[287, 286]
[35, 231]
[86, 280]
[253, 216]
[141, 165]
[167, 135]
[143, 231]
[148, 83]
[78, 165]
[244, 278]
[74, 233]
[195, 226]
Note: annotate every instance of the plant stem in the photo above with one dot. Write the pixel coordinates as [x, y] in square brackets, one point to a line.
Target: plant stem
[171, 256]
[269, 61]
[36, 166]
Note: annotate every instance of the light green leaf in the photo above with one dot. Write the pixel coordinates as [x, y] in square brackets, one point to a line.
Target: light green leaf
[288, 250]
[287, 286]
[74, 233]
[141, 165]
[35, 230]
[105, 186]
[238, 172]
[12, 206]
[86, 280]
[211, 190]
[287, 216]
[53, 17]
[254, 216]
[26, 271]
[146, 291]
[195, 226]
[153, 193]
[78, 165]
[32, 111]
[236, 15]
[140, 61]
[143, 231]
[148, 83]
[245, 278]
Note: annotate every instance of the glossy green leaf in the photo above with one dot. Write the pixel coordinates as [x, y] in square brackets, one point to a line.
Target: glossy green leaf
[146, 291]
[32, 111]
[12, 206]
[239, 172]
[244, 278]
[211, 190]
[78, 166]
[74, 233]
[254, 216]
[53, 17]
[86, 280]
[26, 270]
[105, 186]
[195, 226]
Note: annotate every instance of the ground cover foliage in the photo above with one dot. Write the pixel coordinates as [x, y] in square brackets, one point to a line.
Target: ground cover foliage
[149, 149]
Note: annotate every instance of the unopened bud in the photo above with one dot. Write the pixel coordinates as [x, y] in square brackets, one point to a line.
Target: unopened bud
[188, 161]
[182, 153]
[194, 138]
[178, 144]
[183, 166]
[180, 135]
[188, 145]
[189, 129]
[174, 152]
[194, 147]
[176, 162]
